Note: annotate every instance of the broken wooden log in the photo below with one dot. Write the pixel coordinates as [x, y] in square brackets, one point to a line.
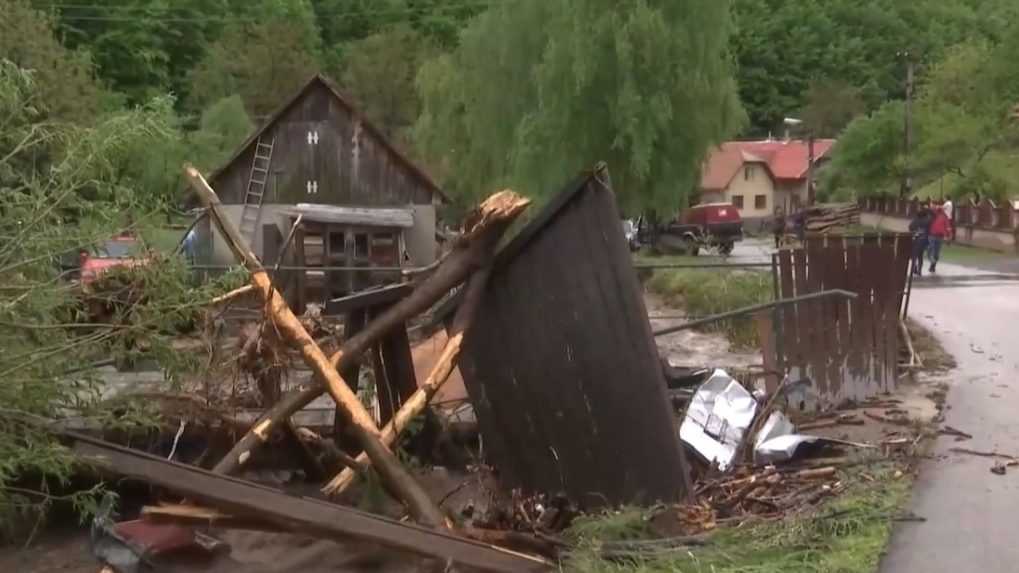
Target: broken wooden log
[436, 378]
[497, 213]
[397, 479]
[297, 514]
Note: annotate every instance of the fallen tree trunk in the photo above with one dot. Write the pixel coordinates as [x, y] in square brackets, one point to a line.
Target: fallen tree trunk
[421, 507]
[436, 378]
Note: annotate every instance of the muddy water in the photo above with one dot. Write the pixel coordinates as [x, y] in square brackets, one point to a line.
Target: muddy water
[692, 347]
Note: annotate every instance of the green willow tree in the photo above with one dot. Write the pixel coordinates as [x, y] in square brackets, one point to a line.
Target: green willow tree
[379, 72]
[537, 91]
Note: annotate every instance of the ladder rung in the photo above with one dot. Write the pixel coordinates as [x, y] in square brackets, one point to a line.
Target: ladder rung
[257, 182]
[260, 169]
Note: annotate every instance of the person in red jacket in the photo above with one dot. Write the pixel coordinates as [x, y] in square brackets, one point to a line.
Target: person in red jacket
[940, 228]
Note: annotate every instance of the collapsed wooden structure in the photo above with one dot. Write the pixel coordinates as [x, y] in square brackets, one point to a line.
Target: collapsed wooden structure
[561, 365]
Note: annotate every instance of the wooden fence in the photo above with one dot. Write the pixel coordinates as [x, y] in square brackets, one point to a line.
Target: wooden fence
[847, 349]
[986, 214]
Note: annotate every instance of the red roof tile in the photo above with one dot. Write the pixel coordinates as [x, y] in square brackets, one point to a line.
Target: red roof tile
[786, 160]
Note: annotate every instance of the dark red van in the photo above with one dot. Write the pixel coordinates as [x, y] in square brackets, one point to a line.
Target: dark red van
[709, 226]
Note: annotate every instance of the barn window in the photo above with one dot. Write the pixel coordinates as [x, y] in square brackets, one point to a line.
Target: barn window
[748, 173]
[737, 201]
[384, 249]
[360, 245]
[760, 202]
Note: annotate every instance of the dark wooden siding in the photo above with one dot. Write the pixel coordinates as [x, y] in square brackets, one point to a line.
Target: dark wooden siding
[351, 165]
[562, 367]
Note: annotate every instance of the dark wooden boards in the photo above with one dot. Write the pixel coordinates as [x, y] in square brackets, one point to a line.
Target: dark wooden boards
[297, 514]
[561, 364]
[849, 350]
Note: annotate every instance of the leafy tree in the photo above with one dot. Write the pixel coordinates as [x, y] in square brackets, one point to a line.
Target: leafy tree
[867, 159]
[781, 47]
[49, 341]
[539, 90]
[261, 62]
[142, 48]
[64, 87]
[831, 105]
[379, 72]
[223, 126]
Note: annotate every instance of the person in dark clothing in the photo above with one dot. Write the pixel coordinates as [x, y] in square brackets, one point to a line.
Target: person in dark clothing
[920, 226]
[778, 227]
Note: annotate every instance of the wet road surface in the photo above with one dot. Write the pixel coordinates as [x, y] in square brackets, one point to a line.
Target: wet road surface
[970, 512]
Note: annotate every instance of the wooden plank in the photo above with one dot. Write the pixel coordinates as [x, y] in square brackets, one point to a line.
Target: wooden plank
[355, 323]
[368, 298]
[398, 369]
[297, 514]
[804, 322]
[819, 350]
[792, 350]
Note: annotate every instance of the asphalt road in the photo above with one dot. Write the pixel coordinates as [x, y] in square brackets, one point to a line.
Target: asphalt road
[970, 512]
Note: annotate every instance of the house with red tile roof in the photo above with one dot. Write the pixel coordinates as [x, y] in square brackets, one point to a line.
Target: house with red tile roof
[758, 176]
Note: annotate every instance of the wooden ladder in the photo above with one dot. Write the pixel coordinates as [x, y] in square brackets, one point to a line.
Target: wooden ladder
[255, 193]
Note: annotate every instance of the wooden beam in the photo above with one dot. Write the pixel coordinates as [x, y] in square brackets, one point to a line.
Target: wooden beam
[368, 298]
[297, 514]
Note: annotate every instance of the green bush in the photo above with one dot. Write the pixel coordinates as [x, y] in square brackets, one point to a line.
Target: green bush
[709, 292]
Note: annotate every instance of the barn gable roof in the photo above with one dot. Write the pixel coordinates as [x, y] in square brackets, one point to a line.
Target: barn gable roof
[319, 80]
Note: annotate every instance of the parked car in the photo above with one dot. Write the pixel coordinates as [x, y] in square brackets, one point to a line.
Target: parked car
[119, 251]
[712, 226]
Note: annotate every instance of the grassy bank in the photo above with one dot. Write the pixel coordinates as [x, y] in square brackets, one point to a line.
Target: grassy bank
[713, 291]
[846, 535]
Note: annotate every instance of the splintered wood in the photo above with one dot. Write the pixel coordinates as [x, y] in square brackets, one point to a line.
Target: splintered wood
[768, 492]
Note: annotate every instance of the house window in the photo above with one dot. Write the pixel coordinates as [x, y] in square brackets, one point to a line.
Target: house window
[737, 201]
[760, 201]
[748, 172]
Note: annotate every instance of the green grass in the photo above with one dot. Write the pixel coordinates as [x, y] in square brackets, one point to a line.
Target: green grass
[712, 291]
[847, 535]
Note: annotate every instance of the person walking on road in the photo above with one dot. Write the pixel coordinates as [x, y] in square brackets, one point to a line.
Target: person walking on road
[939, 229]
[778, 227]
[949, 209]
[919, 226]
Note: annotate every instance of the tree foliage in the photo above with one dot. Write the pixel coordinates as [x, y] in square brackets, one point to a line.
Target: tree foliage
[63, 81]
[782, 47]
[262, 62]
[49, 342]
[539, 90]
[965, 135]
[379, 72]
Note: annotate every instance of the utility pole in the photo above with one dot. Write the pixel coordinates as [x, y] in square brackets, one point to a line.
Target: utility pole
[907, 178]
[811, 194]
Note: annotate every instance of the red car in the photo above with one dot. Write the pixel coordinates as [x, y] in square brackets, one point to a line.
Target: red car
[118, 251]
[709, 226]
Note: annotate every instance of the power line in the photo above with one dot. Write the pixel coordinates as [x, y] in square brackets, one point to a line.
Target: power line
[166, 14]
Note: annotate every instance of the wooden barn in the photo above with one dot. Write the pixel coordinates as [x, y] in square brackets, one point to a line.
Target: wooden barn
[361, 201]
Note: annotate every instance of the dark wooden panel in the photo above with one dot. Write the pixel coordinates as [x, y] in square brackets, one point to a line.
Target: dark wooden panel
[562, 367]
[297, 514]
